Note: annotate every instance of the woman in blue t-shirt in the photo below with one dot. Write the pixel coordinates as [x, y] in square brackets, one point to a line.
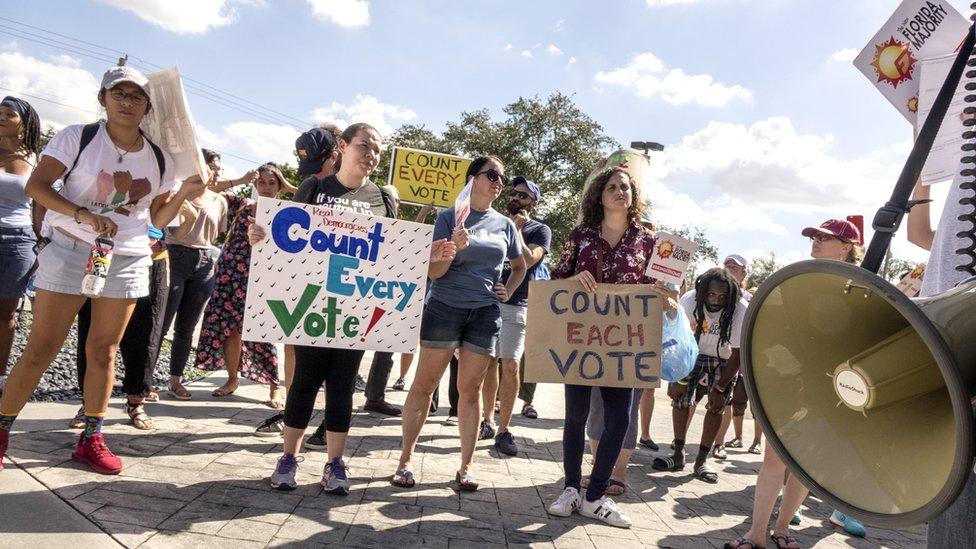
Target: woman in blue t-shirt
[463, 313]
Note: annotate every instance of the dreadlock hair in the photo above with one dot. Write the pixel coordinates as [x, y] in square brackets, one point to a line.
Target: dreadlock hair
[31, 131]
[717, 274]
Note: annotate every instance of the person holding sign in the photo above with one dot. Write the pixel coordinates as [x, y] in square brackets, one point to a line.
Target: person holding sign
[116, 182]
[609, 246]
[464, 312]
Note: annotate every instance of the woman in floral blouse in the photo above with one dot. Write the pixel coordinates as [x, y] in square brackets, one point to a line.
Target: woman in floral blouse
[609, 246]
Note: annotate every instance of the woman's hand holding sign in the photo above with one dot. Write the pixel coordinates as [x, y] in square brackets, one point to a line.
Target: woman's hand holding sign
[442, 250]
[460, 238]
[587, 281]
[255, 232]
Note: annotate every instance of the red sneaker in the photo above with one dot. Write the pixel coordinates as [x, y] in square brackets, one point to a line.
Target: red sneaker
[95, 454]
[4, 439]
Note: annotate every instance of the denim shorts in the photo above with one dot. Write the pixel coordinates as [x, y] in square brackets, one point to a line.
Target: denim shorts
[511, 340]
[61, 267]
[447, 327]
[16, 260]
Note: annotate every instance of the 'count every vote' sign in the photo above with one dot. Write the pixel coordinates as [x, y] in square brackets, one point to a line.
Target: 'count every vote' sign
[332, 278]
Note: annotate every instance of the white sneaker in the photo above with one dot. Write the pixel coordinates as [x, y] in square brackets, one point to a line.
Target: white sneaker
[606, 510]
[451, 421]
[568, 502]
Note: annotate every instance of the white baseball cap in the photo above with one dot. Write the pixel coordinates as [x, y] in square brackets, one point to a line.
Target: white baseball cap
[737, 259]
[116, 75]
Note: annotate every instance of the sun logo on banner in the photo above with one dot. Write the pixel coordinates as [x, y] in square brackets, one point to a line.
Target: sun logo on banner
[894, 63]
[665, 249]
[913, 104]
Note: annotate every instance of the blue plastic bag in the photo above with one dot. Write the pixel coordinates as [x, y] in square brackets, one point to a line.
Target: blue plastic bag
[679, 349]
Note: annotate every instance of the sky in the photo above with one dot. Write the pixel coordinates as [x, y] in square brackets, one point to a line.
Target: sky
[768, 127]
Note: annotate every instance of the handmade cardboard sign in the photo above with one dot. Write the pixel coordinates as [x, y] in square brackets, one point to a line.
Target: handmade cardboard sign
[672, 255]
[332, 278]
[424, 177]
[918, 29]
[169, 124]
[611, 338]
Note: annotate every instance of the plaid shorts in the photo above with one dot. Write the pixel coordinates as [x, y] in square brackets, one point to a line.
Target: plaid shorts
[702, 380]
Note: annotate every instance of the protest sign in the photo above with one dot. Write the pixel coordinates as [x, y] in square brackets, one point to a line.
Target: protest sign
[671, 257]
[424, 177]
[169, 124]
[462, 205]
[942, 163]
[911, 283]
[918, 29]
[611, 338]
[635, 163]
[333, 278]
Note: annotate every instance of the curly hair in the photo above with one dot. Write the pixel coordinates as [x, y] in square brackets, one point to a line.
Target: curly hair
[592, 204]
[723, 276]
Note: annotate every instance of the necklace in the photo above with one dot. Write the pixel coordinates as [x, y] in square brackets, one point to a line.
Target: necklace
[125, 150]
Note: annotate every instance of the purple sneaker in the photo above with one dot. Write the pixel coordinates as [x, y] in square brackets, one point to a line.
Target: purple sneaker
[334, 478]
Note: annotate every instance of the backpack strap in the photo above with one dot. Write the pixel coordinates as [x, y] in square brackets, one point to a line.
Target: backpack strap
[389, 202]
[87, 134]
[158, 153]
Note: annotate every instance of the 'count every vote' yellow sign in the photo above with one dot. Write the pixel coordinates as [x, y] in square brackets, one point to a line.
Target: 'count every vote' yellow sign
[423, 177]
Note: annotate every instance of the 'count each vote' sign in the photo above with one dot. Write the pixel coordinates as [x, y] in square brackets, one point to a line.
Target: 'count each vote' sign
[610, 338]
[326, 277]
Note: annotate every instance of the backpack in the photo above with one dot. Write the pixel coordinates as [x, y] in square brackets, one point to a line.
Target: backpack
[88, 133]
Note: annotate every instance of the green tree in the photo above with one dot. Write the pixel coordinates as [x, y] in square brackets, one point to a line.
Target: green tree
[547, 140]
[46, 134]
[761, 268]
[894, 268]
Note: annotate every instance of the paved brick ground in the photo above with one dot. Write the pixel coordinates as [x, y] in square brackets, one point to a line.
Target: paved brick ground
[199, 480]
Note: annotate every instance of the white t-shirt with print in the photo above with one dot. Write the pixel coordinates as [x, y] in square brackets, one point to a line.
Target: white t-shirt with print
[708, 343]
[121, 191]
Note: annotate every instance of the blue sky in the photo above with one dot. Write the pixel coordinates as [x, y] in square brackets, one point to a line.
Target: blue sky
[768, 126]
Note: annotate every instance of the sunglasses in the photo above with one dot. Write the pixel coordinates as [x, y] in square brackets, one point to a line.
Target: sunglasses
[134, 98]
[493, 175]
[514, 193]
[825, 238]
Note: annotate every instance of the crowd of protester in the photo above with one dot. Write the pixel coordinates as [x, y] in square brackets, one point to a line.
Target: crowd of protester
[180, 264]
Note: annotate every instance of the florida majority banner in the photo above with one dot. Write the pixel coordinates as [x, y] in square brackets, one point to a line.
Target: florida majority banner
[333, 278]
[610, 338]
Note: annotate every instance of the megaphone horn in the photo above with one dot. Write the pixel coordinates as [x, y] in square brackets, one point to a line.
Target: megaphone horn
[865, 393]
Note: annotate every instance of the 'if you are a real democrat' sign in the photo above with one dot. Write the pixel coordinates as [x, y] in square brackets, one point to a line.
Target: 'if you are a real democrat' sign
[332, 278]
[423, 177]
[610, 338]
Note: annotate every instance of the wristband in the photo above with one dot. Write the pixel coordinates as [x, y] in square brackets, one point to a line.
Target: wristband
[682, 383]
[78, 211]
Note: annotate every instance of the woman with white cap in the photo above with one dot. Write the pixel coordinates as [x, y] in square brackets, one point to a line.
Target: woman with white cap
[116, 183]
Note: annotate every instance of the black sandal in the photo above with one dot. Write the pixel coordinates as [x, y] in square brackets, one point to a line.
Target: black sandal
[705, 473]
[403, 478]
[667, 464]
[743, 543]
[784, 541]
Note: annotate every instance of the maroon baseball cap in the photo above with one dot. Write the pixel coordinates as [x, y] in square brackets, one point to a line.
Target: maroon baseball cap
[838, 228]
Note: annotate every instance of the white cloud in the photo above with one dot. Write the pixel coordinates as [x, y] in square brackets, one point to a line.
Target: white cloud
[647, 76]
[526, 54]
[845, 55]
[365, 108]
[572, 60]
[68, 92]
[181, 16]
[663, 3]
[345, 13]
[508, 47]
[559, 26]
[553, 50]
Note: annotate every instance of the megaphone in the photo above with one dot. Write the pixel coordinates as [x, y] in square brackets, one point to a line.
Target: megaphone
[864, 393]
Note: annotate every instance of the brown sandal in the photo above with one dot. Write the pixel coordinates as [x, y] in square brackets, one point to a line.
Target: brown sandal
[138, 417]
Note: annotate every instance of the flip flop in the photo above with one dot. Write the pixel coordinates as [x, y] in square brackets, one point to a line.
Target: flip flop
[274, 404]
[180, 394]
[666, 464]
[743, 543]
[223, 392]
[705, 473]
[783, 541]
[403, 478]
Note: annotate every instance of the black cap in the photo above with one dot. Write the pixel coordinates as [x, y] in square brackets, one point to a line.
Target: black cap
[312, 148]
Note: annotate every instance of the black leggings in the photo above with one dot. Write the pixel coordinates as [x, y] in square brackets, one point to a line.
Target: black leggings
[337, 368]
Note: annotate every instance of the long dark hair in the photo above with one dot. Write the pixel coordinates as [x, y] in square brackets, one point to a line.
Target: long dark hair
[721, 275]
[592, 205]
[30, 125]
[475, 166]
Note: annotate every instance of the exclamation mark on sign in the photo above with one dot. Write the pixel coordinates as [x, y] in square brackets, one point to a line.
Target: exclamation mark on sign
[377, 313]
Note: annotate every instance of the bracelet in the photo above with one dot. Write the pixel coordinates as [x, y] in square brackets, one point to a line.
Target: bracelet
[682, 383]
[78, 211]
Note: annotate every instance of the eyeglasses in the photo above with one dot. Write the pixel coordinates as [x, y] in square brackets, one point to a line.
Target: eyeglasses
[515, 193]
[134, 98]
[493, 175]
[826, 237]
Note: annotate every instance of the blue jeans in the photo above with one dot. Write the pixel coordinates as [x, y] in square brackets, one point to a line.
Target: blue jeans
[191, 282]
[616, 419]
[16, 259]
